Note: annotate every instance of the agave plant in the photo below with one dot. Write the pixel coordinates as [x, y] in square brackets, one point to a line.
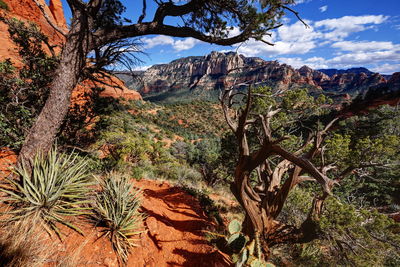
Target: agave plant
[53, 187]
[116, 208]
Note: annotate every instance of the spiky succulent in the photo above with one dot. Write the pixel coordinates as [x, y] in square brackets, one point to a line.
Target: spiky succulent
[52, 187]
[116, 208]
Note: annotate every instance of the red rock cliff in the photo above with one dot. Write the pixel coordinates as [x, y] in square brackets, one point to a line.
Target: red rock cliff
[27, 10]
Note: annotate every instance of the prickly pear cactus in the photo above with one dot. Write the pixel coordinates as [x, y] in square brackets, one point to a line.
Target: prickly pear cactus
[246, 254]
[234, 227]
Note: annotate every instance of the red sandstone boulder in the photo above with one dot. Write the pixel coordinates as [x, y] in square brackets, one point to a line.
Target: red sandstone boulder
[27, 10]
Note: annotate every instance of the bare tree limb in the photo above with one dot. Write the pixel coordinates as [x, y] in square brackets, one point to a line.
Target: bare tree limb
[325, 182]
[143, 15]
[49, 20]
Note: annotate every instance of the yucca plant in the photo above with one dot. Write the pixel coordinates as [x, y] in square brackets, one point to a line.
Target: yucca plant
[54, 187]
[116, 208]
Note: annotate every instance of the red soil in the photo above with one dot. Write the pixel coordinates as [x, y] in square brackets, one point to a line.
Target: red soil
[173, 234]
[175, 223]
[7, 159]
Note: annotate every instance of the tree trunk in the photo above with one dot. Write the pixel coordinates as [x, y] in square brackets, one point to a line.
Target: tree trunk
[260, 214]
[44, 130]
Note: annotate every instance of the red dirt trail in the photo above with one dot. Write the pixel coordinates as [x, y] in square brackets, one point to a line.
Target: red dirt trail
[173, 233]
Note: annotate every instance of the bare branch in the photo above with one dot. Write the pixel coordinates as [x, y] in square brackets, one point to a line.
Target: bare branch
[105, 36]
[296, 14]
[223, 98]
[266, 42]
[305, 164]
[143, 15]
[50, 20]
[170, 9]
[330, 124]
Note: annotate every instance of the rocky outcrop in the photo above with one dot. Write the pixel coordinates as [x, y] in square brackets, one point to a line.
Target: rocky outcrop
[27, 10]
[380, 94]
[57, 11]
[331, 72]
[114, 88]
[218, 70]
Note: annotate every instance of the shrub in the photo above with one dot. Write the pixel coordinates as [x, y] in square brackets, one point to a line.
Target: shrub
[116, 208]
[349, 236]
[207, 204]
[24, 90]
[3, 5]
[57, 186]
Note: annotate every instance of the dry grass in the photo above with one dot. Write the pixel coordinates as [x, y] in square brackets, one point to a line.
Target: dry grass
[73, 257]
[22, 244]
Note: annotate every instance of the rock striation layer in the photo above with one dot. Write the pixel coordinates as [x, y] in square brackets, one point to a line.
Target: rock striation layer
[219, 70]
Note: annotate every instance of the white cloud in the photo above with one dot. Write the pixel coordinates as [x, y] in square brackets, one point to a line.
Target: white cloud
[297, 2]
[386, 68]
[323, 8]
[379, 60]
[178, 45]
[365, 46]
[142, 68]
[298, 32]
[337, 29]
[288, 39]
[360, 58]
[298, 39]
[313, 62]
[185, 44]
[158, 40]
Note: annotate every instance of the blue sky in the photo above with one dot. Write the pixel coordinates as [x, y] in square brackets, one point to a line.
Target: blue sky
[342, 34]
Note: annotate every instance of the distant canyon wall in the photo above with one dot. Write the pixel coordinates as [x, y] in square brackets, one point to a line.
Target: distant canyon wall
[220, 70]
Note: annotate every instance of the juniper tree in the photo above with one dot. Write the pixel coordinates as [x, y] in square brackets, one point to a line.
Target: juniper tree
[284, 139]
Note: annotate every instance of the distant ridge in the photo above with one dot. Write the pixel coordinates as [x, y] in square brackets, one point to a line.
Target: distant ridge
[331, 72]
[202, 77]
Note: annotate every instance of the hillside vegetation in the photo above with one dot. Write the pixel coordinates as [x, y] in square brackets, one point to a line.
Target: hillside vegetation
[189, 158]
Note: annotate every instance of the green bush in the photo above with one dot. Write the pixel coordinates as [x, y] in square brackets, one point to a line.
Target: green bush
[3, 5]
[23, 91]
[57, 186]
[116, 208]
[349, 236]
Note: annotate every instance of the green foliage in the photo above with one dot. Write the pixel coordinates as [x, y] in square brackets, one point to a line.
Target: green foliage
[116, 208]
[3, 5]
[109, 14]
[25, 90]
[350, 236]
[138, 143]
[57, 186]
[372, 143]
[361, 237]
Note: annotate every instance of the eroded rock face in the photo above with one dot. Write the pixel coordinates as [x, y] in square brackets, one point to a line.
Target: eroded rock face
[27, 10]
[57, 11]
[219, 70]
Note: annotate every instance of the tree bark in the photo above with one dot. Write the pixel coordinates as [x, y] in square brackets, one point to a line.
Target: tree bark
[44, 130]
